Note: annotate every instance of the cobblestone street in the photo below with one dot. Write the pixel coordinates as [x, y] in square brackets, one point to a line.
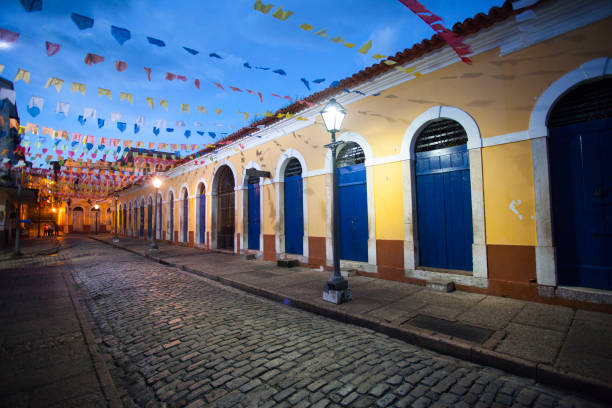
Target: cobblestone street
[175, 339]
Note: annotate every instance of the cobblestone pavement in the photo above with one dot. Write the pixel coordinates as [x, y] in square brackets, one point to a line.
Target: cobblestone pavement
[180, 340]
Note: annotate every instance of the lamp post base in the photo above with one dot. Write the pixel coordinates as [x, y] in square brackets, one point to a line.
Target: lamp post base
[115, 239]
[336, 295]
[153, 247]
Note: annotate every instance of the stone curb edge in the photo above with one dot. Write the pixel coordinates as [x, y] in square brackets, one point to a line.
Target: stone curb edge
[540, 372]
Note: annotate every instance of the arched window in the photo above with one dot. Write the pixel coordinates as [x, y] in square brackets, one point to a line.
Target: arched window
[440, 134]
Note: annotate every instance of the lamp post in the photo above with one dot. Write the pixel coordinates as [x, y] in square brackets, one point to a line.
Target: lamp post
[157, 184]
[97, 208]
[336, 289]
[116, 238]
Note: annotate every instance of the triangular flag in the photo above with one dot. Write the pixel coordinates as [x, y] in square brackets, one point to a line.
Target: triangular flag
[93, 59]
[52, 48]
[150, 101]
[107, 92]
[184, 107]
[120, 34]
[127, 96]
[100, 122]
[31, 5]
[164, 103]
[76, 87]
[155, 41]
[23, 75]
[191, 51]
[264, 8]
[202, 109]
[55, 82]
[148, 70]
[197, 83]
[282, 15]
[366, 47]
[120, 66]
[82, 22]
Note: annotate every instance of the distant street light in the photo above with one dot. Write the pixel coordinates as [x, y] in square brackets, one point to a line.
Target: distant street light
[97, 208]
[157, 184]
[116, 238]
[336, 289]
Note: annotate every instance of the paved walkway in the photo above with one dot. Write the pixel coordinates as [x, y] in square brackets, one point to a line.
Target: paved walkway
[47, 353]
[180, 340]
[552, 344]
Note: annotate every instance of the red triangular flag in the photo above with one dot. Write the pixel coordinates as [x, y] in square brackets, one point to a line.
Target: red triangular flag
[93, 59]
[120, 66]
[219, 85]
[148, 73]
[52, 48]
[197, 83]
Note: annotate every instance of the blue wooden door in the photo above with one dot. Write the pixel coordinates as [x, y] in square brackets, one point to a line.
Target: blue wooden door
[202, 205]
[149, 220]
[171, 218]
[185, 217]
[294, 215]
[142, 219]
[444, 208]
[353, 202]
[581, 186]
[254, 222]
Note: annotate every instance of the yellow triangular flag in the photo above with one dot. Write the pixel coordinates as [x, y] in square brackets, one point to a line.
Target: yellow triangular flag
[264, 8]
[322, 33]
[246, 115]
[336, 39]
[348, 45]
[218, 111]
[184, 107]
[128, 96]
[23, 75]
[306, 27]
[282, 15]
[378, 56]
[56, 82]
[164, 103]
[1, 68]
[76, 87]
[150, 101]
[366, 47]
[202, 109]
[107, 92]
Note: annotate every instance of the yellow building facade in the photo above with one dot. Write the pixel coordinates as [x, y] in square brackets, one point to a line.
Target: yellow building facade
[501, 102]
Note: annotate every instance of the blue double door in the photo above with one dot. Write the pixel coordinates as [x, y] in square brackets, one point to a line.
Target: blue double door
[185, 218]
[353, 206]
[202, 208]
[581, 187]
[444, 208]
[254, 221]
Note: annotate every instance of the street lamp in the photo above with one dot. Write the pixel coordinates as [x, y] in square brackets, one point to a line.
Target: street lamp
[97, 208]
[157, 184]
[336, 289]
[116, 238]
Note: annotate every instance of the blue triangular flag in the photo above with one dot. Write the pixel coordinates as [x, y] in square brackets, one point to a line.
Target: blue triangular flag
[264, 68]
[100, 122]
[187, 133]
[169, 130]
[120, 34]
[318, 81]
[347, 90]
[359, 92]
[136, 128]
[215, 55]
[155, 41]
[33, 111]
[121, 126]
[82, 120]
[246, 65]
[155, 130]
[212, 134]
[83, 22]
[74, 143]
[335, 83]
[89, 146]
[200, 132]
[32, 5]
[305, 81]
[279, 72]
[191, 51]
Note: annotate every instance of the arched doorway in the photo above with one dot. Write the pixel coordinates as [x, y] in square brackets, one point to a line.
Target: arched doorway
[294, 207]
[580, 147]
[253, 207]
[158, 210]
[124, 219]
[170, 232]
[201, 216]
[129, 219]
[142, 217]
[135, 220]
[185, 217]
[109, 220]
[77, 219]
[352, 200]
[444, 205]
[150, 217]
[225, 209]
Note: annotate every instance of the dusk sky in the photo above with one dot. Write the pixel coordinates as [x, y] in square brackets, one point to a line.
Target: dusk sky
[234, 31]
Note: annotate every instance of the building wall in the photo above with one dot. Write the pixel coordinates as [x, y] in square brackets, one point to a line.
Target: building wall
[498, 94]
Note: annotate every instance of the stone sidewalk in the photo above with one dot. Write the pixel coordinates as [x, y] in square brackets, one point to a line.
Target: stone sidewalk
[552, 344]
[47, 352]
